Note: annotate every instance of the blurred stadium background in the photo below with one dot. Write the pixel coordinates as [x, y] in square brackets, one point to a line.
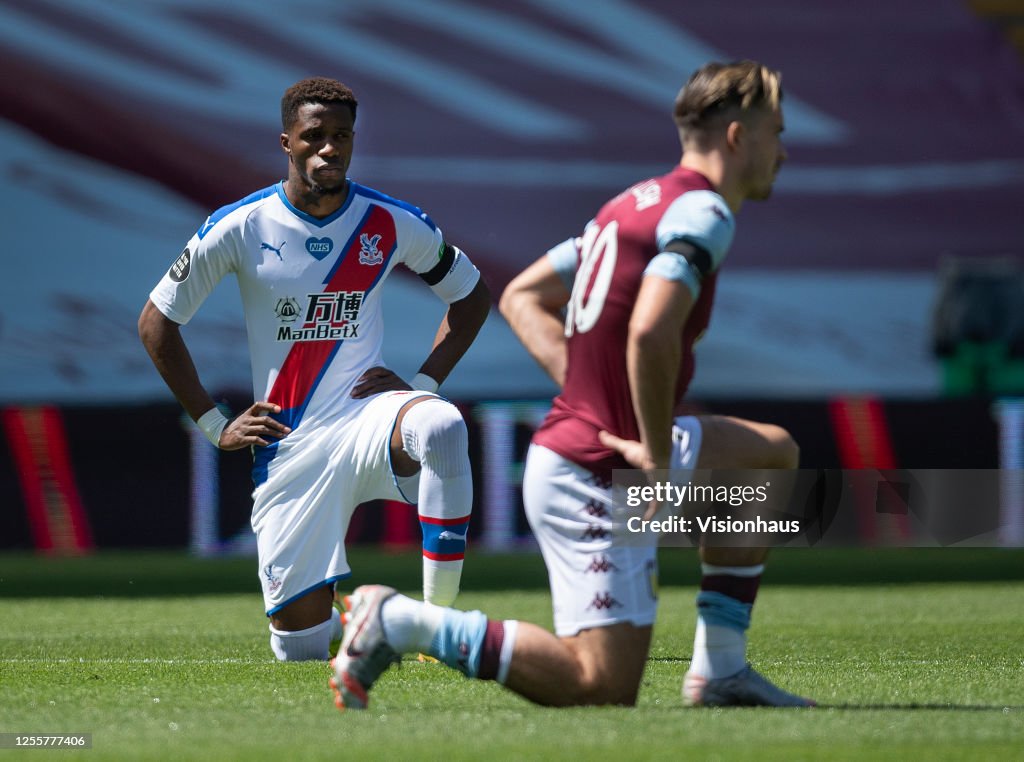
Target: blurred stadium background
[875, 306]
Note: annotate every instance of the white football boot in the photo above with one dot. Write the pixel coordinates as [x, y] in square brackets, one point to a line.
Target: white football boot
[364, 654]
[746, 688]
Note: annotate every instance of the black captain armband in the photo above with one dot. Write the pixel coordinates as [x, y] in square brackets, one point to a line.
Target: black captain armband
[697, 258]
[446, 256]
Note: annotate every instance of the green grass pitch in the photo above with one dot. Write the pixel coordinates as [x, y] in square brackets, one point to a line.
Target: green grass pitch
[914, 654]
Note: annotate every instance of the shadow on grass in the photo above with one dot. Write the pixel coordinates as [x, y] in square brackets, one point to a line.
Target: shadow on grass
[1002, 708]
[140, 573]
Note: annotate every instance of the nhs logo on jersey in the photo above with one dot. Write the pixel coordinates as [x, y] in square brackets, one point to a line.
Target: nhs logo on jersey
[319, 247]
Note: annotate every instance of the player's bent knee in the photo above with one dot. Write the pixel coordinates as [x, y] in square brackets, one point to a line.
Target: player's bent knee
[435, 428]
[776, 448]
[786, 451]
[445, 425]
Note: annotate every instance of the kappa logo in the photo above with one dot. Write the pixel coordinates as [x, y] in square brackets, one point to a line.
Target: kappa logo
[603, 601]
[273, 581]
[319, 247]
[181, 267]
[595, 509]
[600, 564]
[594, 532]
[369, 253]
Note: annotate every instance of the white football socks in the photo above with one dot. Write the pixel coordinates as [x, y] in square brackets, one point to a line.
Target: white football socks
[410, 625]
[717, 651]
[435, 435]
[508, 645]
[720, 650]
[441, 581]
[303, 645]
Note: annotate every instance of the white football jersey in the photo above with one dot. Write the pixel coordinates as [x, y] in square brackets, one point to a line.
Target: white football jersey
[310, 289]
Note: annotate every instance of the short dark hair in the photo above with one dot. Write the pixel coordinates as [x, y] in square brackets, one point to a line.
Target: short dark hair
[314, 90]
[725, 91]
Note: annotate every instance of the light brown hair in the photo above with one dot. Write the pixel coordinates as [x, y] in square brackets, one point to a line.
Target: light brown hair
[719, 93]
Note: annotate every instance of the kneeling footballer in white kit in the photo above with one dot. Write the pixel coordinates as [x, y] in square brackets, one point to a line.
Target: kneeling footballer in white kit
[333, 427]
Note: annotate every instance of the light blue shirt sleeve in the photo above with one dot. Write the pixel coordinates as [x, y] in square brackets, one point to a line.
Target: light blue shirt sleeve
[672, 266]
[702, 218]
[565, 259]
[699, 217]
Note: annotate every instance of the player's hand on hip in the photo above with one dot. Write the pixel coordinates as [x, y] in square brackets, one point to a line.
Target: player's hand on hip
[253, 427]
[638, 456]
[634, 452]
[377, 380]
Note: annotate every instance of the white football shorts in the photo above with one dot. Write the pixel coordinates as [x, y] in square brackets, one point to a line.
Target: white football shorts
[301, 512]
[599, 574]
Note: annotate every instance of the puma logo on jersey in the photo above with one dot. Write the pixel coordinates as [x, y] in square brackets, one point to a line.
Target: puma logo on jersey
[276, 249]
[369, 253]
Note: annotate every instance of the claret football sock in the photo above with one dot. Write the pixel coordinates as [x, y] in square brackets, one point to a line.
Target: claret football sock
[724, 605]
[434, 434]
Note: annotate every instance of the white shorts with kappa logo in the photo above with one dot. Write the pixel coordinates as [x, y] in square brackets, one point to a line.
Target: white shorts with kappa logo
[301, 512]
[597, 578]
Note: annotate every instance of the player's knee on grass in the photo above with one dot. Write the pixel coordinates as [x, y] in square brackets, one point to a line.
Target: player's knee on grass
[311, 644]
[606, 692]
[599, 689]
[610, 663]
[304, 629]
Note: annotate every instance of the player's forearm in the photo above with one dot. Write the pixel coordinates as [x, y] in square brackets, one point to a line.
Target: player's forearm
[532, 303]
[653, 352]
[541, 330]
[457, 331]
[167, 350]
[652, 361]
